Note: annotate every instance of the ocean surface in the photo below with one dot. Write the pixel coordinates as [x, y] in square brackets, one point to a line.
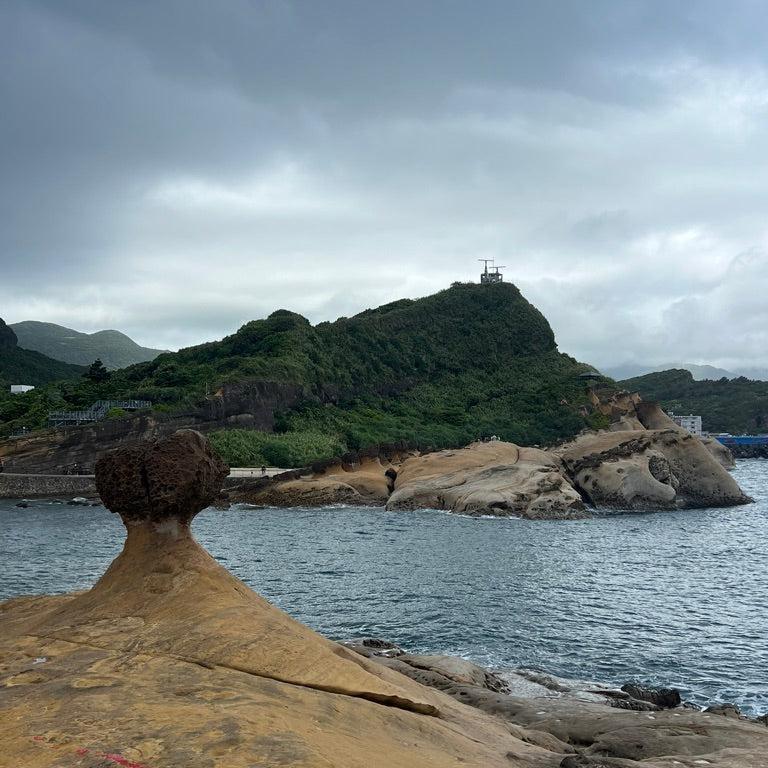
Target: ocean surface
[673, 598]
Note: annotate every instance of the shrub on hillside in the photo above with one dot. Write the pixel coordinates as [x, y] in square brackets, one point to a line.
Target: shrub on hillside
[250, 448]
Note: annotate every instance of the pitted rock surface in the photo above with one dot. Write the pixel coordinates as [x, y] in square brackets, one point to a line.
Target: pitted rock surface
[175, 477]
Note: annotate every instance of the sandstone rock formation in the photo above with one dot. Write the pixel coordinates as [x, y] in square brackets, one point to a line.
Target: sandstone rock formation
[658, 466]
[643, 462]
[366, 481]
[493, 478]
[649, 469]
[161, 480]
[587, 734]
[171, 661]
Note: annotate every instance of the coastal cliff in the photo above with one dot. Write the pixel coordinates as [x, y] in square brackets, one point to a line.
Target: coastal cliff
[169, 660]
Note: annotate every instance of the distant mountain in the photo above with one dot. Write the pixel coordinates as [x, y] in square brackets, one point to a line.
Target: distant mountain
[738, 406]
[113, 348]
[699, 372]
[23, 366]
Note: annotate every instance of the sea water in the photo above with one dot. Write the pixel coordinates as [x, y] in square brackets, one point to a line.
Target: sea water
[671, 598]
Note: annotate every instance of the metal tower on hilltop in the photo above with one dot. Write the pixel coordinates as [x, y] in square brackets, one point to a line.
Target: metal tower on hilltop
[492, 275]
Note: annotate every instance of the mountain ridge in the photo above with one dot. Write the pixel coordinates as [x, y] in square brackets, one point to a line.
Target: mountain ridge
[114, 348]
[738, 406]
[24, 366]
[700, 372]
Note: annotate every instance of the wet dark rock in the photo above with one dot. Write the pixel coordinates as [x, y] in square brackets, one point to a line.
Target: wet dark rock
[663, 698]
[726, 710]
[586, 761]
[372, 646]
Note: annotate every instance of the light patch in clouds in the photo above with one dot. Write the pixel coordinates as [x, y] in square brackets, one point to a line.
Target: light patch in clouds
[283, 191]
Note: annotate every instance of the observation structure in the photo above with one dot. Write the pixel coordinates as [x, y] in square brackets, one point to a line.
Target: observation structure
[96, 412]
[492, 275]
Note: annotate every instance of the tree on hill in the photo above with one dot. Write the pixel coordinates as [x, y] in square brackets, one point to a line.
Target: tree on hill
[97, 373]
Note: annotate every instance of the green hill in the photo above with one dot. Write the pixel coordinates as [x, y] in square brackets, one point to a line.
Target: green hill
[738, 406]
[114, 349]
[22, 366]
[469, 361]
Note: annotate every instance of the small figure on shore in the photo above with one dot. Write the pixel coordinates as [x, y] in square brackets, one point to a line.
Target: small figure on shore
[263, 471]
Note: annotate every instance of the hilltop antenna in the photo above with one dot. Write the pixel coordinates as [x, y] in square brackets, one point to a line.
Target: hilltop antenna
[492, 275]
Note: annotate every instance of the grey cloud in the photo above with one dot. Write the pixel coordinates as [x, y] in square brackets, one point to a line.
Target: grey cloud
[177, 168]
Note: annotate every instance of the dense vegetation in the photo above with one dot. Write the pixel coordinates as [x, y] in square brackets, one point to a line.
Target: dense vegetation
[738, 406]
[115, 349]
[249, 448]
[468, 362]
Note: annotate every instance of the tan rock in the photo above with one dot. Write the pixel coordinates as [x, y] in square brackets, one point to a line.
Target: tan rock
[603, 736]
[493, 478]
[649, 469]
[169, 660]
[651, 416]
[363, 483]
[721, 452]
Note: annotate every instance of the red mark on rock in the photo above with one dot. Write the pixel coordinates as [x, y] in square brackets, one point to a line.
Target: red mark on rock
[113, 757]
[120, 760]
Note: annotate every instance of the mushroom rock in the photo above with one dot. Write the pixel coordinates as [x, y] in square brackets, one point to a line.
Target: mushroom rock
[170, 660]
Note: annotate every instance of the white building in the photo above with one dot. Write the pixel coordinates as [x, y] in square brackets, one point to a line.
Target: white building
[18, 389]
[691, 423]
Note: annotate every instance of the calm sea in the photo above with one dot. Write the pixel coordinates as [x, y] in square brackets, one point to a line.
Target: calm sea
[674, 598]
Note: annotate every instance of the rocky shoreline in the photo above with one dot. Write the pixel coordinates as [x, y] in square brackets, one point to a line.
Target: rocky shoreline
[534, 684]
[169, 660]
[645, 462]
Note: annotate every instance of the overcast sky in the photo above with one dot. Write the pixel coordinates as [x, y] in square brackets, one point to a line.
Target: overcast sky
[174, 169]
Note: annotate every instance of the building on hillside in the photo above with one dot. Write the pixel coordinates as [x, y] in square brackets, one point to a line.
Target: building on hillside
[492, 275]
[19, 389]
[691, 423]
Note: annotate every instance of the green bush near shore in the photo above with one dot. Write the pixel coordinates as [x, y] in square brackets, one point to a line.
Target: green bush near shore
[250, 448]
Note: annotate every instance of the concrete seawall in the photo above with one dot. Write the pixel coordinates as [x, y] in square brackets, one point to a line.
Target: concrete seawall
[13, 486]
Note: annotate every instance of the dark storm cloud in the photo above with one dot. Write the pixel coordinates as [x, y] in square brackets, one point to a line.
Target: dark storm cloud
[177, 168]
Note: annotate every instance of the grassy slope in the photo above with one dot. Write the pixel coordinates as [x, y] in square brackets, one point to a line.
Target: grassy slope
[466, 362]
[738, 406]
[115, 349]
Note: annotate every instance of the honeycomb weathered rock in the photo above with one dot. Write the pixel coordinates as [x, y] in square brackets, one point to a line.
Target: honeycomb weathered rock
[174, 477]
